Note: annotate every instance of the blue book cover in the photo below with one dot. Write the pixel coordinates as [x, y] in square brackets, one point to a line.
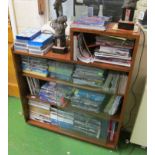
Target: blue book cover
[41, 40]
[28, 34]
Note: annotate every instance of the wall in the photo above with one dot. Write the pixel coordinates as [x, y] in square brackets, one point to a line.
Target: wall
[141, 7]
[26, 14]
[139, 85]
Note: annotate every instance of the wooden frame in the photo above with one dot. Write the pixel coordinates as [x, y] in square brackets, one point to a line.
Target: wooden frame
[68, 58]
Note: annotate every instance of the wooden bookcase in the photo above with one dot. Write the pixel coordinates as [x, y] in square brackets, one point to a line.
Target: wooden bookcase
[68, 58]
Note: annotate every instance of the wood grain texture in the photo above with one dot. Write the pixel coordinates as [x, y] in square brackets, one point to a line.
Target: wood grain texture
[41, 7]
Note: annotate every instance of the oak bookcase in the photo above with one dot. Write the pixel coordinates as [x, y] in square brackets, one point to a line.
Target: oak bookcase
[68, 58]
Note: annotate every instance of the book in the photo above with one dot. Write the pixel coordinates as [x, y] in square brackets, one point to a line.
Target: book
[28, 34]
[41, 40]
[122, 84]
[94, 22]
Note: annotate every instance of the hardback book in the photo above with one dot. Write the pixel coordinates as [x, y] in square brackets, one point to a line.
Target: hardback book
[41, 40]
[28, 34]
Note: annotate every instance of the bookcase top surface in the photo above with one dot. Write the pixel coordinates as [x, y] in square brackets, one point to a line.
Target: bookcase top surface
[111, 30]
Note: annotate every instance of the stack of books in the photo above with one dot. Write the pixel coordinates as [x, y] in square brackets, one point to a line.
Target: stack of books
[34, 85]
[41, 44]
[63, 94]
[112, 129]
[74, 121]
[60, 70]
[88, 100]
[39, 111]
[35, 66]
[57, 94]
[62, 118]
[113, 105]
[111, 83]
[89, 76]
[86, 125]
[122, 84]
[114, 50]
[21, 41]
[48, 92]
[94, 22]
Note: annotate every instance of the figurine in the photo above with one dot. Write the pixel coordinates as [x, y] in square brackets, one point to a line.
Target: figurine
[58, 7]
[130, 4]
[59, 25]
[128, 10]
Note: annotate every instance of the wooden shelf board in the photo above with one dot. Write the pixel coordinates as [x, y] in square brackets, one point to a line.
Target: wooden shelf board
[50, 55]
[105, 66]
[110, 31]
[71, 134]
[67, 58]
[68, 83]
[68, 107]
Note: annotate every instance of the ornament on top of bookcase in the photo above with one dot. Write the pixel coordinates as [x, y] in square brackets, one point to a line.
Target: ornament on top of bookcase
[128, 10]
[59, 25]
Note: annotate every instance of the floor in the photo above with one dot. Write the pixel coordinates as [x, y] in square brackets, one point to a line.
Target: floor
[29, 140]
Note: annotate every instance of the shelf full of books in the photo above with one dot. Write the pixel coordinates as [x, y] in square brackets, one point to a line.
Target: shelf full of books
[82, 94]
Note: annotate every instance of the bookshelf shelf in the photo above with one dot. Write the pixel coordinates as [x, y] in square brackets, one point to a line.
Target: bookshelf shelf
[71, 134]
[51, 79]
[68, 107]
[50, 55]
[68, 58]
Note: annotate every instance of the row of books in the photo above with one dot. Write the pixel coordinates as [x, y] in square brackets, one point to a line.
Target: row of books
[108, 81]
[106, 49]
[88, 100]
[61, 95]
[56, 94]
[93, 22]
[81, 123]
[35, 66]
[33, 41]
[60, 70]
[89, 76]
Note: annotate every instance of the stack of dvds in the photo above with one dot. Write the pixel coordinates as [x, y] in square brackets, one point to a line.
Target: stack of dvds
[39, 111]
[89, 76]
[88, 100]
[48, 92]
[21, 41]
[111, 82]
[61, 70]
[34, 85]
[56, 94]
[113, 105]
[41, 44]
[35, 66]
[62, 118]
[63, 94]
[87, 125]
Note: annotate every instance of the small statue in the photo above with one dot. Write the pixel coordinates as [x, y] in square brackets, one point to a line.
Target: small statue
[128, 10]
[59, 25]
[130, 4]
[58, 7]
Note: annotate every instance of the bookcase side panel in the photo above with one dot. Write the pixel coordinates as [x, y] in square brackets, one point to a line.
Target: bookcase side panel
[22, 84]
[127, 89]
